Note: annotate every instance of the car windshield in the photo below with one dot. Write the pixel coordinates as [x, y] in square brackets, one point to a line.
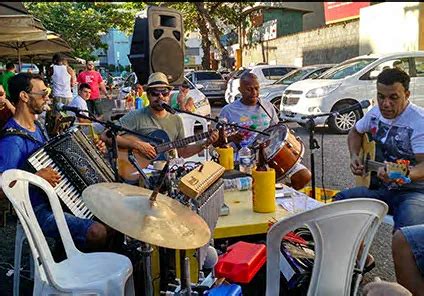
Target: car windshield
[293, 76]
[208, 76]
[241, 72]
[347, 68]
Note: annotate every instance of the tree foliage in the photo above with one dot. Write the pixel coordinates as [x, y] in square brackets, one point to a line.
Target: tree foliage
[82, 24]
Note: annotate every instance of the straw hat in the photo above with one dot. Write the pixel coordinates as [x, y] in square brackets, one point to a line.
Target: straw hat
[158, 80]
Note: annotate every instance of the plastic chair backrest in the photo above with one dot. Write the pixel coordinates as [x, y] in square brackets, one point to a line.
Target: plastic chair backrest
[18, 195]
[338, 230]
[188, 123]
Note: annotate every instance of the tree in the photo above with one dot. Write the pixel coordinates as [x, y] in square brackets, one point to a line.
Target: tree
[210, 18]
[82, 24]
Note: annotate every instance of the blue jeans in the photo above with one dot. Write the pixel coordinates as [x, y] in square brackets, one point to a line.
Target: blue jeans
[406, 205]
[415, 237]
[78, 227]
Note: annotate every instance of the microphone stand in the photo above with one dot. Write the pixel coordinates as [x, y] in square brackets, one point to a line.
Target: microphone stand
[112, 133]
[313, 144]
[218, 122]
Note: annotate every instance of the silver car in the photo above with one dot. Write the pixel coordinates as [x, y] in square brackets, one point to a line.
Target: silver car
[274, 91]
[214, 85]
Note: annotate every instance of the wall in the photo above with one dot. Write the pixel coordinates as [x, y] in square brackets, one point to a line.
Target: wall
[288, 21]
[390, 27]
[332, 44]
[118, 44]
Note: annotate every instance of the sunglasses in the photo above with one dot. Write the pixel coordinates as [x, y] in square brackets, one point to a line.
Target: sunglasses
[2, 93]
[43, 93]
[156, 93]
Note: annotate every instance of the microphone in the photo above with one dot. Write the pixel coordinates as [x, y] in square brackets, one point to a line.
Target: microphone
[362, 105]
[167, 107]
[64, 108]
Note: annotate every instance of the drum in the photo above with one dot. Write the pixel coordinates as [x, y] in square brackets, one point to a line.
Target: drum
[283, 151]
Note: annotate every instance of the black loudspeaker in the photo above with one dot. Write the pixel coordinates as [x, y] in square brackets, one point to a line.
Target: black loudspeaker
[158, 45]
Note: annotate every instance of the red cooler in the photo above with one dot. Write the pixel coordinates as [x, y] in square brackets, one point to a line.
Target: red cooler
[241, 262]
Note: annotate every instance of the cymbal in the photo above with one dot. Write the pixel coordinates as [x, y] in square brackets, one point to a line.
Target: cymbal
[164, 222]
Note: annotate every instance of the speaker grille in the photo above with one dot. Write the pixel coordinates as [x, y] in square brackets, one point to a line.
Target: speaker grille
[167, 57]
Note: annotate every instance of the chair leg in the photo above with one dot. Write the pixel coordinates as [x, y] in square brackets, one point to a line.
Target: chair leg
[19, 239]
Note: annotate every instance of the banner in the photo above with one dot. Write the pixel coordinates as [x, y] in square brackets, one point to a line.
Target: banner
[340, 11]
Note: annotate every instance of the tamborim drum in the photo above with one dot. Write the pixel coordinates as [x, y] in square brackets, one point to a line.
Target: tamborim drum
[283, 151]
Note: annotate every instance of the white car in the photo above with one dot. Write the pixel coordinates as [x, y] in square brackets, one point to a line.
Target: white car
[347, 84]
[200, 101]
[266, 74]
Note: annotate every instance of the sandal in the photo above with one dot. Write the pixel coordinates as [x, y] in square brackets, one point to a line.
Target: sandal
[370, 266]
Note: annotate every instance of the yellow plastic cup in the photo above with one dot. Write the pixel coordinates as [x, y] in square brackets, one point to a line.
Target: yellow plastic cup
[226, 157]
[263, 191]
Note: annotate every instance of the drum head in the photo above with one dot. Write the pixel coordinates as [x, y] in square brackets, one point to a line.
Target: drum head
[275, 140]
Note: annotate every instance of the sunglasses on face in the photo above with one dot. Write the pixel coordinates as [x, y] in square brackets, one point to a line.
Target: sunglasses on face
[2, 93]
[156, 93]
[44, 93]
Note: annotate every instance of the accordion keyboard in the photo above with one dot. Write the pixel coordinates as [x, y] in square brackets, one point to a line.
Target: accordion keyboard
[79, 165]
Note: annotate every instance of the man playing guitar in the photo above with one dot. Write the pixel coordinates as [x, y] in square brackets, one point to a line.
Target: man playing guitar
[155, 117]
[252, 113]
[397, 127]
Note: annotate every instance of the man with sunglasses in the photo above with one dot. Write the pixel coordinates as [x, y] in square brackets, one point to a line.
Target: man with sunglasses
[21, 136]
[97, 85]
[155, 117]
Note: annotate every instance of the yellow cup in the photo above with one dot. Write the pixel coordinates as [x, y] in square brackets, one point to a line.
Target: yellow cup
[226, 157]
[263, 191]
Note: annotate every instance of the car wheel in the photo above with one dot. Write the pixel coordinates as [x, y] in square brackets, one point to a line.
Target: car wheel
[341, 124]
[276, 102]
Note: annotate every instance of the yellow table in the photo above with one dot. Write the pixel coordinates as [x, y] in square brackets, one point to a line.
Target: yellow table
[242, 220]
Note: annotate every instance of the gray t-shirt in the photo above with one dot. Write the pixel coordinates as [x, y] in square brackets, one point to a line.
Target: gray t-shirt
[253, 117]
[144, 121]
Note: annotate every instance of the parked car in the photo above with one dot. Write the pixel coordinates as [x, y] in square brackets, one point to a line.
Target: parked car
[28, 68]
[266, 74]
[348, 83]
[274, 91]
[200, 101]
[211, 83]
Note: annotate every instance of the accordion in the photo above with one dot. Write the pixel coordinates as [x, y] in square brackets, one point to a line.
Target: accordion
[79, 164]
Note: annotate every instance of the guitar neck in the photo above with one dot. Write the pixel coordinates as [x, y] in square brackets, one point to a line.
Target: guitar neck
[372, 165]
[181, 143]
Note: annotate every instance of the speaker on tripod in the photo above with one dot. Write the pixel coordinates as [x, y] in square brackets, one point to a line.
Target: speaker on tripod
[158, 45]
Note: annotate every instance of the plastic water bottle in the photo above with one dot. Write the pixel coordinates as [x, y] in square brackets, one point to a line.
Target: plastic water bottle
[245, 158]
[138, 103]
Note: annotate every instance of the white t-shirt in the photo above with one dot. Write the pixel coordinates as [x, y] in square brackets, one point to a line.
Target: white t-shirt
[398, 138]
[80, 103]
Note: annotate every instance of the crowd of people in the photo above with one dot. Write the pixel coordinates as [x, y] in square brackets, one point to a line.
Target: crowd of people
[395, 124]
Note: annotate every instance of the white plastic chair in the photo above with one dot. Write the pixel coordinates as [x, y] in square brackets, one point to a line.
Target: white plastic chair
[338, 229]
[79, 274]
[188, 123]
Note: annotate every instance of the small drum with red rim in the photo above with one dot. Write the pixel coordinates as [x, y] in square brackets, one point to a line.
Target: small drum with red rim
[283, 151]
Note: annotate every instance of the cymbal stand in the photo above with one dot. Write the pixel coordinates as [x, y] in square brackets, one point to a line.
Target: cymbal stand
[146, 253]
